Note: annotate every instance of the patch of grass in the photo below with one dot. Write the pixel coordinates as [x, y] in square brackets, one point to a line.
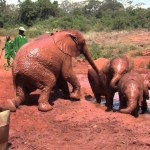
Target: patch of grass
[34, 34]
[122, 48]
[109, 50]
[98, 51]
[138, 53]
[108, 54]
[95, 51]
[133, 47]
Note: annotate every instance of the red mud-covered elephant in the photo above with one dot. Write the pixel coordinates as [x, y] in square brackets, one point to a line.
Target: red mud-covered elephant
[111, 73]
[147, 81]
[132, 94]
[38, 65]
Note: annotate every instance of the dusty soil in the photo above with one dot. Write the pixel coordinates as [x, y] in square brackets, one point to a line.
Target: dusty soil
[76, 124]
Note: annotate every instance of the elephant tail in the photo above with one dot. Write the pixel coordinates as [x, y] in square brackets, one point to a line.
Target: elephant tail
[132, 105]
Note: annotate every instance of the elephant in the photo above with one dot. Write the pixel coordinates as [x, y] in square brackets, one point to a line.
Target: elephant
[132, 94]
[39, 63]
[147, 81]
[62, 86]
[111, 73]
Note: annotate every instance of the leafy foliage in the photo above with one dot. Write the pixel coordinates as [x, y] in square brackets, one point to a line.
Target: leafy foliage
[28, 13]
[88, 15]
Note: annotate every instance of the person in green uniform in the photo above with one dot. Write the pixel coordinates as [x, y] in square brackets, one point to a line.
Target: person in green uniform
[9, 50]
[20, 39]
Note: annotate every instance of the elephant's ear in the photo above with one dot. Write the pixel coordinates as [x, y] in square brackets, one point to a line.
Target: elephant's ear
[67, 43]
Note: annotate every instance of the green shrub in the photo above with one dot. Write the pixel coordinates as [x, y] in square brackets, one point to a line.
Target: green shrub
[133, 47]
[98, 51]
[1, 22]
[122, 48]
[138, 53]
[36, 33]
[109, 51]
[95, 51]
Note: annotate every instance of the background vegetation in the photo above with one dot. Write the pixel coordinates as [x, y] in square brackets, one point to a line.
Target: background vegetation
[90, 15]
[87, 16]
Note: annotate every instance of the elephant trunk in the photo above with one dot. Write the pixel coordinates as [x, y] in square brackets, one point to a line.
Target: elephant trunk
[115, 81]
[101, 77]
[90, 60]
[132, 105]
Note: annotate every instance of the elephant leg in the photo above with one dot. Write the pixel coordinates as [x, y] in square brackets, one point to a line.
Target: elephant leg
[92, 77]
[109, 101]
[135, 112]
[69, 75]
[123, 104]
[145, 93]
[21, 94]
[97, 95]
[62, 84]
[98, 98]
[122, 100]
[43, 104]
[144, 106]
[76, 93]
[43, 100]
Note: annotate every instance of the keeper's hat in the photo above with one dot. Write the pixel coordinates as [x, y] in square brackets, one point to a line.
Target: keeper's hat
[22, 28]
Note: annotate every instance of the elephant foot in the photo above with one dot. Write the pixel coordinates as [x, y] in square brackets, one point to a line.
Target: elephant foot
[108, 109]
[15, 102]
[115, 110]
[66, 96]
[9, 105]
[135, 114]
[75, 95]
[98, 101]
[143, 110]
[44, 107]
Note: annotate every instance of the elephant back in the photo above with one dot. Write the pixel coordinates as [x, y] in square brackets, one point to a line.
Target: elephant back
[100, 63]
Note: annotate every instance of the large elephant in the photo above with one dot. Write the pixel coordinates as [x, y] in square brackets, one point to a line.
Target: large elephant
[39, 63]
[111, 71]
[132, 94]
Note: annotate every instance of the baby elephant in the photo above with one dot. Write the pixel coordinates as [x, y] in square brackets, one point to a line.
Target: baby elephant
[111, 72]
[132, 94]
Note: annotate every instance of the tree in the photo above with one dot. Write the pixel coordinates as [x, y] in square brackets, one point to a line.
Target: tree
[112, 5]
[11, 14]
[92, 7]
[45, 8]
[8, 14]
[66, 6]
[2, 6]
[28, 12]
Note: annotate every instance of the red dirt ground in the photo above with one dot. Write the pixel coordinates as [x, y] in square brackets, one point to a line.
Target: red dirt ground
[78, 125]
